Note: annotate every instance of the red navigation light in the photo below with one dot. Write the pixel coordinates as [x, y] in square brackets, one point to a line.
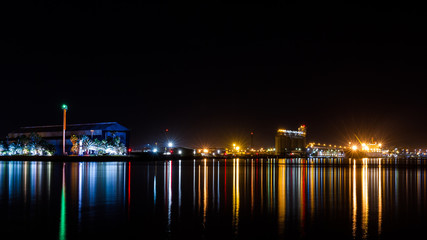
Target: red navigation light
[130, 150]
[171, 151]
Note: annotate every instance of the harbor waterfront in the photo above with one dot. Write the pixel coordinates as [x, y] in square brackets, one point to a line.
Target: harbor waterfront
[148, 157]
[130, 120]
[234, 198]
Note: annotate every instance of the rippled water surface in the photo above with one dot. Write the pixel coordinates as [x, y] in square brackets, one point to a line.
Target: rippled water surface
[211, 199]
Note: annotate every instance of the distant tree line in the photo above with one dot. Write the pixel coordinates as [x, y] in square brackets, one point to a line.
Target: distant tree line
[83, 145]
[31, 145]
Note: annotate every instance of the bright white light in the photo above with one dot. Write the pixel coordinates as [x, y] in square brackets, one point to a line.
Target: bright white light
[179, 152]
[170, 144]
[155, 150]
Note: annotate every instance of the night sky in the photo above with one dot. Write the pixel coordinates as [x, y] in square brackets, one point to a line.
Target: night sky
[211, 73]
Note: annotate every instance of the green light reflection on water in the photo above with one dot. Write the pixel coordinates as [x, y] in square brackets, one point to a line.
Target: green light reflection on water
[62, 219]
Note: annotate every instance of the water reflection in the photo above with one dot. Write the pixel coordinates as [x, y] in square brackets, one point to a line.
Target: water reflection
[84, 191]
[236, 196]
[380, 199]
[245, 196]
[62, 219]
[354, 198]
[300, 195]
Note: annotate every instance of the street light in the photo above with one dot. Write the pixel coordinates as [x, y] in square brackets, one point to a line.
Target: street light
[64, 108]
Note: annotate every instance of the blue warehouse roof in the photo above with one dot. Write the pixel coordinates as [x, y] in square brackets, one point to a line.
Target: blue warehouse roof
[104, 126]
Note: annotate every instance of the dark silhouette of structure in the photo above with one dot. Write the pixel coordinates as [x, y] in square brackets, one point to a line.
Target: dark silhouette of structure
[291, 143]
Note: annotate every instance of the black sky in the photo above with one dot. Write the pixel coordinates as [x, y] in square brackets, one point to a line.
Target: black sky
[211, 73]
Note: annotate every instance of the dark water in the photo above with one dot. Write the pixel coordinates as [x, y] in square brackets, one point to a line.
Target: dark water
[210, 199]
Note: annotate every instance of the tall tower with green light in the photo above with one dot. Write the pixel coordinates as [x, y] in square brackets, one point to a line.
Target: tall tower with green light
[64, 108]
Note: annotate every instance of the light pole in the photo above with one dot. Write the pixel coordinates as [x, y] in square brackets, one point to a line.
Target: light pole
[64, 108]
[167, 139]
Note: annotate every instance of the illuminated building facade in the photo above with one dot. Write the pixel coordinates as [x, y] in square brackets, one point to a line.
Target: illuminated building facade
[291, 143]
[53, 133]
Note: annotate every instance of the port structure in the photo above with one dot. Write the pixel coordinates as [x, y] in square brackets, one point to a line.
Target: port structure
[289, 143]
[325, 150]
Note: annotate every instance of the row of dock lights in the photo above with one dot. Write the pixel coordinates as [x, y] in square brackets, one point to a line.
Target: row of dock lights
[363, 146]
[324, 145]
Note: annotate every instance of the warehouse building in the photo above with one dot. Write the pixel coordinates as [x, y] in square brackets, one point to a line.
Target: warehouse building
[53, 133]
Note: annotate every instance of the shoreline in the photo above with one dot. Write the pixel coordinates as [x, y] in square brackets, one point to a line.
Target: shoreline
[326, 161]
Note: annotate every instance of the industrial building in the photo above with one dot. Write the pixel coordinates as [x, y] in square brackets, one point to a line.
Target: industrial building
[53, 133]
[291, 143]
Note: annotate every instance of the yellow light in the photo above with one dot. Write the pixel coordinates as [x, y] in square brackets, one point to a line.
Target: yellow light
[205, 150]
[354, 147]
[379, 144]
[237, 148]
